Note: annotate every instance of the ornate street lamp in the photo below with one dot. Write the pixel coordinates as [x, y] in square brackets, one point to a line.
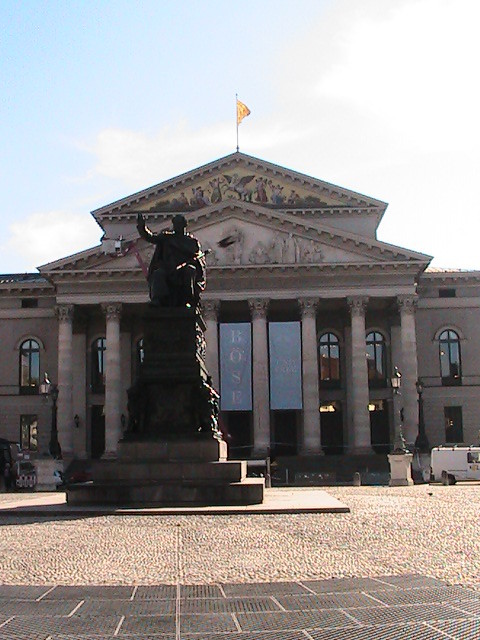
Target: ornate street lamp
[48, 389]
[400, 459]
[399, 445]
[422, 444]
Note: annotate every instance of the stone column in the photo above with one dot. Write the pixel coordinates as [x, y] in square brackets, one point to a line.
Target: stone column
[210, 313]
[408, 368]
[80, 393]
[359, 392]
[113, 384]
[311, 438]
[64, 314]
[261, 399]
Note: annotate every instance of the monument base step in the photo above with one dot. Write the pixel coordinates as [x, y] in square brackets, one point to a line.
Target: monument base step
[163, 471]
[175, 492]
[203, 448]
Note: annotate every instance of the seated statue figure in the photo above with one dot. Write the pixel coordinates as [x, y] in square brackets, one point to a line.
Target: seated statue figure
[177, 273]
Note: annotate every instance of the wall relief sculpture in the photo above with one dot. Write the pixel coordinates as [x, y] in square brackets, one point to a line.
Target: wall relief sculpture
[238, 247]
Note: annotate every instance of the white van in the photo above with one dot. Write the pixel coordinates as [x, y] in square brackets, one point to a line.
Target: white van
[453, 463]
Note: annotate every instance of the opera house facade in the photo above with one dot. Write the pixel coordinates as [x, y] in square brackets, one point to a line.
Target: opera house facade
[309, 317]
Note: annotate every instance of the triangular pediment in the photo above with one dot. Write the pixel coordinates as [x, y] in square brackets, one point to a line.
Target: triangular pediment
[242, 234]
[256, 235]
[239, 177]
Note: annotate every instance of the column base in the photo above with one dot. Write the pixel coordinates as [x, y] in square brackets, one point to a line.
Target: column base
[310, 451]
[109, 455]
[260, 452]
[360, 451]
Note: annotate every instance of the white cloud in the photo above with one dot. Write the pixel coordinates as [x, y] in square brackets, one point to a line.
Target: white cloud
[376, 96]
[138, 159]
[48, 236]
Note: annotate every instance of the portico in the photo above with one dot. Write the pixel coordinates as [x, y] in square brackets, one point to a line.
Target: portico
[348, 385]
[326, 312]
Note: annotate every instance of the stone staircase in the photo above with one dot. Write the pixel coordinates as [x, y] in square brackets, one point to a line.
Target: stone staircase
[171, 473]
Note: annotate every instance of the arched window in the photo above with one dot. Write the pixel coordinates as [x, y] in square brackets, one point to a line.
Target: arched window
[450, 360]
[376, 359]
[29, 366]
[329, 360]
[98, 365]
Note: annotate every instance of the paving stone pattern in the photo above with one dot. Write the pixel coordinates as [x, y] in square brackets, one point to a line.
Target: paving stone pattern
[384, 608]
[403, 564]
[426, 530]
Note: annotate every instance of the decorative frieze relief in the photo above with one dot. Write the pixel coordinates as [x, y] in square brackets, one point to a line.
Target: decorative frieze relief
[247, 185]
[281, 248]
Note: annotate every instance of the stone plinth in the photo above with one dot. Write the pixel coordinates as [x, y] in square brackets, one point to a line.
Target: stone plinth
[45, 469]
[187, 472]
[172, 453]
[400, 469]
[172, 398]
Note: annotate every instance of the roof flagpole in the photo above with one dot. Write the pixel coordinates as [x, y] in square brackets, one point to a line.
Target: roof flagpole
[236, 106]
[242, 112]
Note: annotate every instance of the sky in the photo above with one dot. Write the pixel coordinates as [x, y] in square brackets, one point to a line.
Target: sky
[100, 99]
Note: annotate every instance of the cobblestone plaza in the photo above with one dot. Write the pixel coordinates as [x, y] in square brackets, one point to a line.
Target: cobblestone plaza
[404, 563]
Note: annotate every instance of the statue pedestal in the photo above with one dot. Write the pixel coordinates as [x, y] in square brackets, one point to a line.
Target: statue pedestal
[400, 469]
[169, 473]
[172, 452]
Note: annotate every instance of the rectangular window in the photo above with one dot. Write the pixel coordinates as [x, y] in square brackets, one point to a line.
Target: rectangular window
[453, 425]
[29, 303]
[447, 293]
[28, 432]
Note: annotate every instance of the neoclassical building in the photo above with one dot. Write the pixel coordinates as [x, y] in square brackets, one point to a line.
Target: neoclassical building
[308, 314]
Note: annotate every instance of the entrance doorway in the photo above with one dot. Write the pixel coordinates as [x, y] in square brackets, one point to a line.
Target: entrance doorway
[331, 428]
[237, 431]
[379, 426]
[284, 433]
[98, 431]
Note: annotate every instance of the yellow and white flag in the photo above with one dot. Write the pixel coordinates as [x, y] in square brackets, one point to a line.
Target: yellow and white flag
[242, 111]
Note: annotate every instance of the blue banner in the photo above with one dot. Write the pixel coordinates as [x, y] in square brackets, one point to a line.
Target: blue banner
[285, 365]
[236, 366]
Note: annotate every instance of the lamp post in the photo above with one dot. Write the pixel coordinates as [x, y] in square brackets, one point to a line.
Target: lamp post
[422, 444]
[400, 459]
[399, 445]
[48, 389]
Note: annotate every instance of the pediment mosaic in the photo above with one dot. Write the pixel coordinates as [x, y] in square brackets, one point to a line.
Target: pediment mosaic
[247, 186]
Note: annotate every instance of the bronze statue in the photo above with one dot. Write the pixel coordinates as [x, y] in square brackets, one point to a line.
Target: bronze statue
[177, 271]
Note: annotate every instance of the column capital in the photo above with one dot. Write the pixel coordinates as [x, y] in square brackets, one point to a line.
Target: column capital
[308, 307]
[357, 305]
[406, 303]
[64, 312]
[258, 307]
[210, 309]
[112, 310]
